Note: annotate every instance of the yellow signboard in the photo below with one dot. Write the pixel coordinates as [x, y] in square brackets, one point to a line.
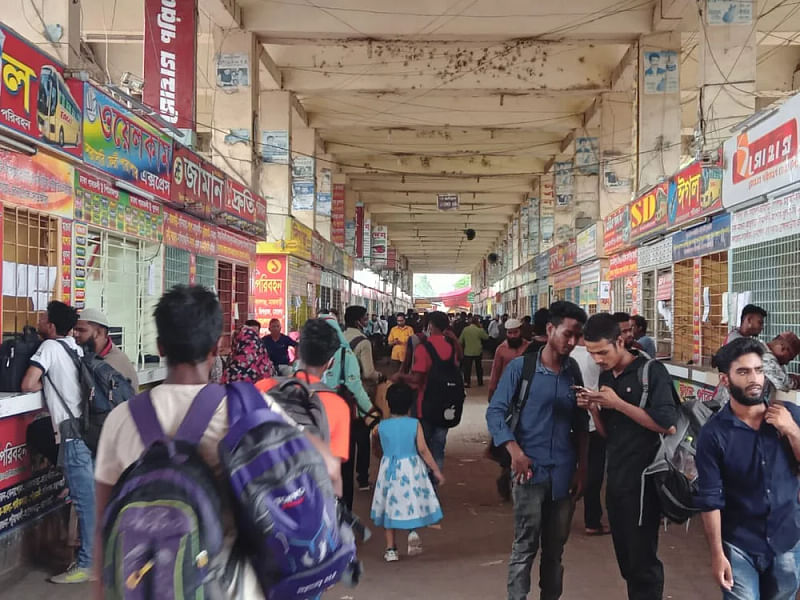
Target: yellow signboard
[296, 241]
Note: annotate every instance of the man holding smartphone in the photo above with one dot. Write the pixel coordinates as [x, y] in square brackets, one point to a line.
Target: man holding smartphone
[543, 454]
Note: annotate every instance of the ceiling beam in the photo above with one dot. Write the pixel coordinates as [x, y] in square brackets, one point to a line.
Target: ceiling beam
[377, 200]
[388, 182]
[226, 14]
[275, 80]
[462, 166]
[299, 110]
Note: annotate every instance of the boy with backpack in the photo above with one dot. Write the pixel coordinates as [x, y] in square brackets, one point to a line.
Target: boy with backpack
[169, 459]
[632, 434]
[53, 372]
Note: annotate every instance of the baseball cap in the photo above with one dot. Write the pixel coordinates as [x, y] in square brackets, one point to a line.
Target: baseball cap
[94, 316]
[513, 324]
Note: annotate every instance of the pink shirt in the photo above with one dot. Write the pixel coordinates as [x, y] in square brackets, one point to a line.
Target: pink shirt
[504, 355]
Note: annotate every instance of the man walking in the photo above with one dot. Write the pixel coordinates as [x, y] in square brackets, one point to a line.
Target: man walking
[91, 332]
[53, 372]
[543, 456]
[398, 338]
[752, 323]
[632, 437]
[747, 458]
[471, 339]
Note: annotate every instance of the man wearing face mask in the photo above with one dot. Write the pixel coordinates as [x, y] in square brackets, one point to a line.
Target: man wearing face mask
[747, 457]
[91, 332]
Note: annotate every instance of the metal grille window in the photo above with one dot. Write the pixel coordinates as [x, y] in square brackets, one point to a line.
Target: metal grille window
[225, 294]
[714, 276]
[657, 312]
[123, 279]
[770, 271]
[176, 267]
[242, 294]
[206, 272]
[682, 314]
[324, 297]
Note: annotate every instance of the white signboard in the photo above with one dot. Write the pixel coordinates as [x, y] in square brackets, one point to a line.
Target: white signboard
[729, 12]
[765, 222]
[447, 201]
[380, 244]
[587, 243]
[660, 72]
[763, 158]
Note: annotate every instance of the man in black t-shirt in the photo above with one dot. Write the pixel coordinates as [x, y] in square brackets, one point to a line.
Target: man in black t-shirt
[633, 439]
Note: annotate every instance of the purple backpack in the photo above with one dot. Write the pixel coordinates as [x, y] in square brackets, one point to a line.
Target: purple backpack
[162, 528]
[283, 499]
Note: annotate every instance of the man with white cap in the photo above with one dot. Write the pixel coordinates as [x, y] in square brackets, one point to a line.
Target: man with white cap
[91, 332]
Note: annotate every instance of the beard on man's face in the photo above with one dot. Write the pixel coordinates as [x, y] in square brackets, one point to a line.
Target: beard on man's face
[91, 345]
[514, 342]
[750, 396]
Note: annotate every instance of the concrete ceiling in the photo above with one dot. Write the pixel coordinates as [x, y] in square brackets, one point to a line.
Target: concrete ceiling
[473, 97]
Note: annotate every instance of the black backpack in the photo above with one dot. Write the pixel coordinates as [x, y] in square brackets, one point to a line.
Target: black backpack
[15, 358]
[102, 389]
[443, 401]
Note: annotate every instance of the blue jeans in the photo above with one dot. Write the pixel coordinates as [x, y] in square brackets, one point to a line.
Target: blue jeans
[78, 469]
[759, 577]
[436, 438]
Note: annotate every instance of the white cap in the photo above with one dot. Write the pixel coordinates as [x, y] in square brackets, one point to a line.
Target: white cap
[94, 316]
[513, 324]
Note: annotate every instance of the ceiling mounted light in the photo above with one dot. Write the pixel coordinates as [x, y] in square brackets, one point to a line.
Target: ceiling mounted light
[470, 233]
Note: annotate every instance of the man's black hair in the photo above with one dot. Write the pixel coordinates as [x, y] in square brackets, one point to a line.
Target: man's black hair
[253, 323]
[526, 319]
[566, 310]
[752, 309]
[734, 350]
[621, 317]
[401, 315]
[189, 324]
[63, 316]
[602, 326]
[640, 322]
[439, 320]
[400, 398]
[318, 343]
[540, 320]
[353, 314]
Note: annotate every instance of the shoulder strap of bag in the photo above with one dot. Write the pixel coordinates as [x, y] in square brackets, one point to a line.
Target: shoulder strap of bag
[644, 377]
[529, 362]
[342, 360]
[435, 358]
[356, 341]
[60, 396]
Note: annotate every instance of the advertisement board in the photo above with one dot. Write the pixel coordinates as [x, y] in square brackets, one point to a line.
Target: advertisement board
[39, 182]
[766, 222]
[694, 192]
[198, 187]
[624, 264]
[337, 215]
[270, 282]
[703, 239]
[587, 243]
[616, 230]
[124, 145]
[380, 242]
[35, 99]
[190, 234]
[234, 247]
[648, 213]
[243, 210]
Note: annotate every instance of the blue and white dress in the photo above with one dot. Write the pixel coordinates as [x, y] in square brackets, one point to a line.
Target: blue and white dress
[404, 495]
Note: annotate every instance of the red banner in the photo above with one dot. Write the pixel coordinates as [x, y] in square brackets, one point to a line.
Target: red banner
[694, 192]
[243, 210]
[270, 289]
[774, 148]
[648, 213]
[617, 230]
[198, 187]
[190, 234]
[563, 256]
[170, 41]
[623, 265]
[15, 463]
[359, 230]
[337, 215]
[235, 247]
[35, 99]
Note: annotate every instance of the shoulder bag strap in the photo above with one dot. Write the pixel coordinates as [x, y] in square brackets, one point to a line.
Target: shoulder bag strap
[60, 397]
[146, 420]
[201, 411]
[435, 358]
[644, 377]
[520, 399]
[342, 360]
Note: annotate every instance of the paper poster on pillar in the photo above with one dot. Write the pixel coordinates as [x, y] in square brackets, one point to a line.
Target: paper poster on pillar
[233, 71]
[729, 12]
[586, 156]
[660, 72]
[275, 147]
[564, 183]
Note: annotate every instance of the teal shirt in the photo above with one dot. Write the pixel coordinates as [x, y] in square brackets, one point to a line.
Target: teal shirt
[472, 339]
[352, 370]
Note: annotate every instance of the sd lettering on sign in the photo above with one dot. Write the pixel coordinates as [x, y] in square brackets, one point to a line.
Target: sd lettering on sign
[648, 213]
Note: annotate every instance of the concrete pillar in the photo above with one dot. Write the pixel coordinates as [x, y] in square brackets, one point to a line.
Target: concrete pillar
[304, 145]
[322, 211]
[726, 75]
[616, 149]
[586, 163]
[659, 122]
[275, 134]
[234, 110]
[55, 25]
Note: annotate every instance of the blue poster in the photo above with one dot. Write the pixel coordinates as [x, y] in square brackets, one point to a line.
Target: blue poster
[703, 239]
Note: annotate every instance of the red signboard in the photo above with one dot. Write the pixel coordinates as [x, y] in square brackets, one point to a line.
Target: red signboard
[616, 230]
[648, 213]
[337, 215]
[563, 256]
[772, 149]
[359, 230]
[15, 463]
[694, 192]
[243, 210]
[198, 187]
[270, 289]
[35, 99]
[624, 264]
[190, 234]
[664, 289]
[391, 261]
[170, 41]
[235, 247]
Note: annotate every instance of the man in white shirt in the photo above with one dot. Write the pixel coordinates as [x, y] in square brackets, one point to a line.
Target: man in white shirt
[53, 372]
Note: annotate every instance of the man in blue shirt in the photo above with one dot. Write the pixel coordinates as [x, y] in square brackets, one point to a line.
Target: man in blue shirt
[747, 458]
[277, 346]
[543, 457]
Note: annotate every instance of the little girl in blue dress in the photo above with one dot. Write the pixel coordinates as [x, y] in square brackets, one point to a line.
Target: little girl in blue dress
[404, 495]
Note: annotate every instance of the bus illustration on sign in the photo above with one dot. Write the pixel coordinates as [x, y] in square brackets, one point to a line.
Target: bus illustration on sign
[58, 113]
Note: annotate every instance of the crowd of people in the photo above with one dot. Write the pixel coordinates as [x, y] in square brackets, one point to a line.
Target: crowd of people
[569, 406]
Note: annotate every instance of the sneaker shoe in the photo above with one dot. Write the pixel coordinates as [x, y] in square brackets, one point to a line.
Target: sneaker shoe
[414, 544]
[364, 487]
[391, 555]
[74, 574]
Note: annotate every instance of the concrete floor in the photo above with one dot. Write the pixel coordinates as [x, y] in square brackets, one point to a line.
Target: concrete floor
[467, 559]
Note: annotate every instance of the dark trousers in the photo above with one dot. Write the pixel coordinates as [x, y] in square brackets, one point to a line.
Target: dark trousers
[358, 463]
[592, 507]
[636, 546]
[467, 367]
[538, 518]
